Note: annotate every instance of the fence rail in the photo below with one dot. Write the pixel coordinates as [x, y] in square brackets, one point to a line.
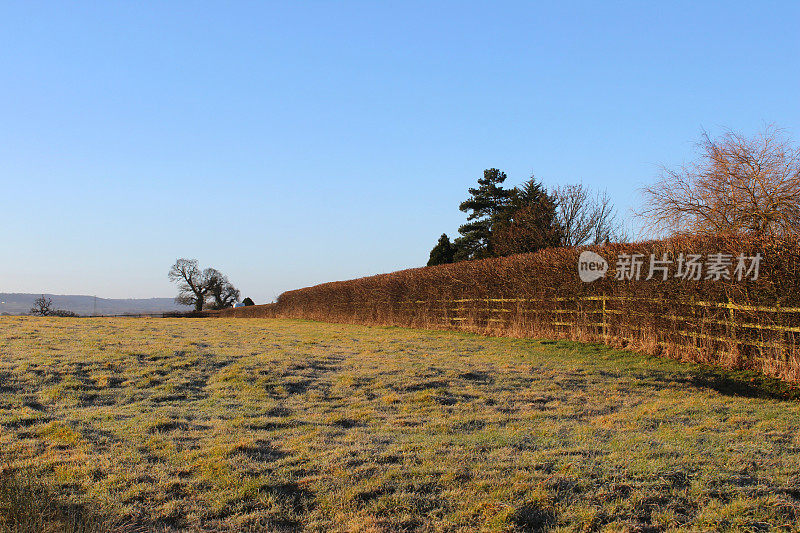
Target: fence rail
[700, 303]
[755, 331]
[605, 311]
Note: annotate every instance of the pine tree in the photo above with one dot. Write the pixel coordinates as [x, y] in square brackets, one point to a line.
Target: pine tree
[248, 302]
[485, 205]
[443, 252]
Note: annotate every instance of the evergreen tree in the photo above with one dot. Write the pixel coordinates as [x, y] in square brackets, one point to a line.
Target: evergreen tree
[443, 252]
[529, 223]
[248, 302]
[485, 206]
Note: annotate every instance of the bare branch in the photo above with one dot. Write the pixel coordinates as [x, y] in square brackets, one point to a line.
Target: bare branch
[736, 185]
[585, 218]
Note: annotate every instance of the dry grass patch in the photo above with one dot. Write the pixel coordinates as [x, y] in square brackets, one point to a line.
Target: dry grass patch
[289, 425]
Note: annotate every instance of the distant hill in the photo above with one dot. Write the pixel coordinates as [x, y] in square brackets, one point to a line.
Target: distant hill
[21, 303]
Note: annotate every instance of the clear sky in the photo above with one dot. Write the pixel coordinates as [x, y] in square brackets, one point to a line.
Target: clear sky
[292, 143]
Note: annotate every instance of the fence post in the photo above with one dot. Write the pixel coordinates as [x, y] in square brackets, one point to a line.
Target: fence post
[732, 330]
[783, 345]
[696, 321]
[605, 320]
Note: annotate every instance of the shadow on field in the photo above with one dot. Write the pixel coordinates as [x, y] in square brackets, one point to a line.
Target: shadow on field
[533, 517]
[743, 383]
[26, 506]
[729, 382]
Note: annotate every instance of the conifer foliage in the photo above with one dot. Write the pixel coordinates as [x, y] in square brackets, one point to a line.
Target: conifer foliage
[487, 203]
[443, 252]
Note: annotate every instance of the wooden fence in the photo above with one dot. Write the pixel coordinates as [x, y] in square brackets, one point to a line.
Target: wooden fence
[763, 338]
[743, 331]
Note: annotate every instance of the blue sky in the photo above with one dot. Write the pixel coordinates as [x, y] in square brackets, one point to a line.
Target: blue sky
[293, 143]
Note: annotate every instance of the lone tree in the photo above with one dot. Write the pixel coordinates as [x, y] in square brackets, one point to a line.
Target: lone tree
[443, 252]
[485, 204]
[528, 223]
[737, 184]
[248, 302]
[42, 306]
[195, 287]
[192, 284]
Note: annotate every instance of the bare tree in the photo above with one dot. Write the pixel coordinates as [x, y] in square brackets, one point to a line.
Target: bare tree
[192, 283]
[736, 185]
[586, 218]
[222, 291]
[196, 287]
[42, 306]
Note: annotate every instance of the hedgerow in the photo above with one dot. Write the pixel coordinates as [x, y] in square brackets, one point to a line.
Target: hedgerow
[739, 323]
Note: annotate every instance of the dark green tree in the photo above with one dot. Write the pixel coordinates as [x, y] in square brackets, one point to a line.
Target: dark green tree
[486, 204]
[248, 302]
[529, 223]
[443, 252]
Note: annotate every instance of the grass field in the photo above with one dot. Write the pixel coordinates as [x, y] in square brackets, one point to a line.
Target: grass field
[286, 425]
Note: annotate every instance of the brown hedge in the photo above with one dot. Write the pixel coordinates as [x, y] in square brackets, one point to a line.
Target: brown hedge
[742, 324]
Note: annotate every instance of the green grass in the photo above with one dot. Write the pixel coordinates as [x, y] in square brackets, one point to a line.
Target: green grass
[233, 424]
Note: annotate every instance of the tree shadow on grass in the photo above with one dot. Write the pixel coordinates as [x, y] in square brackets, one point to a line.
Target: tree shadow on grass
[744, 384]
[729, 382]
